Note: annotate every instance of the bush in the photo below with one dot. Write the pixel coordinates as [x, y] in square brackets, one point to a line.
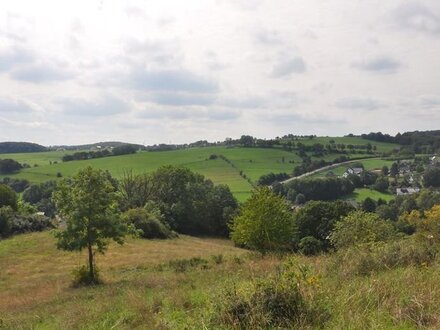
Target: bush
[359, 228]
[6, 217]
[366, 259]
[30, 223]
[81, 276]
[8, 197]
[309, 245]
[149, 222]
[276, 302]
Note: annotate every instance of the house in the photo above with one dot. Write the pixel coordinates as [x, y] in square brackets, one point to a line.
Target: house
[353, 170]
[406, 191]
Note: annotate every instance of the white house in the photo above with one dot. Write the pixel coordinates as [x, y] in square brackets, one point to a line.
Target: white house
[353, 170]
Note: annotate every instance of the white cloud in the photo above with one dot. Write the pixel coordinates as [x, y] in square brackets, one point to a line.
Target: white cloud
[188, 70]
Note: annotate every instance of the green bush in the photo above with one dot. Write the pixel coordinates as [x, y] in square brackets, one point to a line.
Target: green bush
[8, 197]
[30, 223]
[149, 222]
[81, 276]
[309, 245]
[360, 227]
[6, 217]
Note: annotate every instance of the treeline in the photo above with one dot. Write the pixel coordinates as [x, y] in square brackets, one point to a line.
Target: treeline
[167, 201]
[20, 147]
[116, 151]
[414, 142]
[317, 188]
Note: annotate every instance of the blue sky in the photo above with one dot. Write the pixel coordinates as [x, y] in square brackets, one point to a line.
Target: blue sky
[166, 71]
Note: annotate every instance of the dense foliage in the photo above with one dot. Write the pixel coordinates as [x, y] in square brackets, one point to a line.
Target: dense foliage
[264, 222]
[317, 219]
[360, 227]
[189, 203]
[8, 166]
[268, 179]
[321, 188]
[8, 197]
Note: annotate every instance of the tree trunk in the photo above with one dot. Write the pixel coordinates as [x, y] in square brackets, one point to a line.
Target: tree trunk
[91, 270]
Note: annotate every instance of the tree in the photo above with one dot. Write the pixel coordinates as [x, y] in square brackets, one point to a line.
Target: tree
[8, 197]
[385, 170]
[360, 227]
[89, 206]
[369, 205]
[317, 219]
[264, 222]
[381, 184]
[431, 177]
[6, 215]
[394, 170]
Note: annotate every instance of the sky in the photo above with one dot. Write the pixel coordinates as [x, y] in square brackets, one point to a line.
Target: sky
[84, 71]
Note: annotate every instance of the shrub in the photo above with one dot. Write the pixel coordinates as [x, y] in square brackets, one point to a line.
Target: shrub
[81, 276]
[8, 197]
[30, 223]
[149, 222]
[6, 217]
[366, 259]
[279, 301]
[359, 228]
[309, 245]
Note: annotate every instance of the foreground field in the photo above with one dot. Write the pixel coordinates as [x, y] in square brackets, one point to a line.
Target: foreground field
[144, 290]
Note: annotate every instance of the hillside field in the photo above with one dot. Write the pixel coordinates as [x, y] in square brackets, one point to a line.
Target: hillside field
[154, 285]
[246, 164]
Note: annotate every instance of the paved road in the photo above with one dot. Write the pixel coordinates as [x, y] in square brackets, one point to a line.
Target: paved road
[328, 167]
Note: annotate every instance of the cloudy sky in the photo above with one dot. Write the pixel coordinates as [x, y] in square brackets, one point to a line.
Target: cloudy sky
[166, 71]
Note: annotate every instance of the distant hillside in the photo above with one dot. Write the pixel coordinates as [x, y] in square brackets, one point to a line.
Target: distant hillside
[20, 147]
[108, 144]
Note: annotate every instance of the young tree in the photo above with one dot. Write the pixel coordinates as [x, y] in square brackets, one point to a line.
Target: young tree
[89, 206]
[264, 222]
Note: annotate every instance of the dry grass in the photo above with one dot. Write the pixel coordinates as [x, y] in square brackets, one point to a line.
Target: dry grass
[142, 290]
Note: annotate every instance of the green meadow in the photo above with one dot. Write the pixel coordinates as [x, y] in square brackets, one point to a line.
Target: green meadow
[253, 162]
[243, 168]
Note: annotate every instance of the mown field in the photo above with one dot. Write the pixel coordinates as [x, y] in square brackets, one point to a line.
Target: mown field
[152, 285]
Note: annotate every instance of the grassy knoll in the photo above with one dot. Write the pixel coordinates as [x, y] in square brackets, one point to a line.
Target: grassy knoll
[146, 288]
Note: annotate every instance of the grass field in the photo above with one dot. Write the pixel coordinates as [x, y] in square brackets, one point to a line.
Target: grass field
[360, 194]
[251, 161]
[143, 290]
